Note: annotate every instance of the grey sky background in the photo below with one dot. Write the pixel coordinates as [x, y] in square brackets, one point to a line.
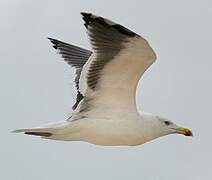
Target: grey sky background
[36, 88]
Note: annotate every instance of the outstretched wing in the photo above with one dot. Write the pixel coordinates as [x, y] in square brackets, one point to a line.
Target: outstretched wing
[109, 78]
[74, 56]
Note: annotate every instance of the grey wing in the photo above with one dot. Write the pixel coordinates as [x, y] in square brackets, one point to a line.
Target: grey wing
[74, 56]
[107, 39]
[110, 77]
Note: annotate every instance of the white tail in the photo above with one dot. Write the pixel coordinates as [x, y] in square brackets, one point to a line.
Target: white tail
[43, 132]
[50, 131]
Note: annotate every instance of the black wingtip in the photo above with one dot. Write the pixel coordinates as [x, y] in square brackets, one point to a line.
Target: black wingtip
[54, 42]
[90, 18]
[87, 17]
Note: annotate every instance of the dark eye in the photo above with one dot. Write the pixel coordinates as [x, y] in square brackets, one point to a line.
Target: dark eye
[167, 123]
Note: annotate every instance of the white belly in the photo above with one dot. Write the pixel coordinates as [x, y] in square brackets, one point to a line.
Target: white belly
[110, 132]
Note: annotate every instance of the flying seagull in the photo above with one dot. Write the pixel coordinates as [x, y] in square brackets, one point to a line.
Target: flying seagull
[105, 111]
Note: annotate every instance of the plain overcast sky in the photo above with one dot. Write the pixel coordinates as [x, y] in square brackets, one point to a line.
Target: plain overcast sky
[36, 88]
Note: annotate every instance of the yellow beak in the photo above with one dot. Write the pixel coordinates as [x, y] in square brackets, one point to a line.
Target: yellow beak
[184, 131]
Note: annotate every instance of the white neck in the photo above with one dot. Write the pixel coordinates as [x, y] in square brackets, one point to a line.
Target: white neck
[150, 126]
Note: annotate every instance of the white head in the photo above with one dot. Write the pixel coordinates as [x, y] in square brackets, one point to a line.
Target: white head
[169, 127]
[159, 126]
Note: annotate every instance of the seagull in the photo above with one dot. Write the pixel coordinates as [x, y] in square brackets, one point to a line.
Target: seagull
[105, 111]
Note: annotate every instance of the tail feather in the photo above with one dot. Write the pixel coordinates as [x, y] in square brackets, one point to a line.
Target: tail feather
[63, 131]
[43, 132]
